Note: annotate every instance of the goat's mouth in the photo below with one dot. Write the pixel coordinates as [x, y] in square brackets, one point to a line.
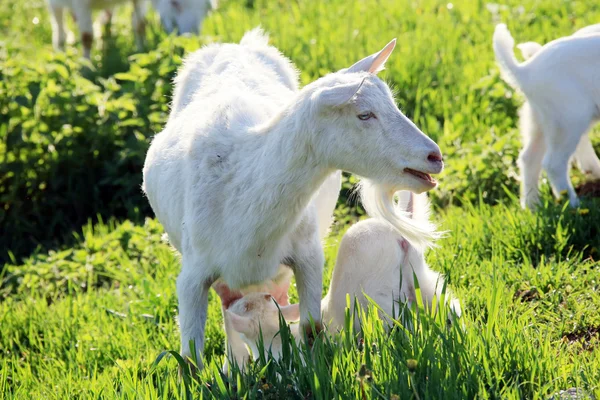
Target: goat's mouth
[421, 176]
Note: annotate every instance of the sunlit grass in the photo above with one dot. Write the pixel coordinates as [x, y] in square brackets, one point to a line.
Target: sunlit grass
[92, 319]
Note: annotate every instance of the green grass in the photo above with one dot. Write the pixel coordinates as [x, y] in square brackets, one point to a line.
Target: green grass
[91, 318]
[90, 321]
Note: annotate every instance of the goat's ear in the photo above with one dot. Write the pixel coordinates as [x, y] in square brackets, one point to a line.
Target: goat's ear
[239, 323]
[528, 49]
[291, 313]
[338, 96]
[375, 62]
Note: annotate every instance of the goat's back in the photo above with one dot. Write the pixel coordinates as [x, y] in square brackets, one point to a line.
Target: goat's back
[369, 260]
[564, 71]
[251, 65]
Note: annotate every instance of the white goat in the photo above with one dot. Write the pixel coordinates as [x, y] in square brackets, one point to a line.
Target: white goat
[373, 260]
[187, 15]
[232, 174]
[562, 85]
[184, 15]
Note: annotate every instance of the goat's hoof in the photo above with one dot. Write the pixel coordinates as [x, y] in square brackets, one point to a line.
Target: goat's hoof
[574, 203]
[190, 369]
[312, 334]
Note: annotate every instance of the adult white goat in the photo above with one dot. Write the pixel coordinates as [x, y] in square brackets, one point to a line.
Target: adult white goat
[373, 260]
[232, 174]
[562, 86]
[186, 15]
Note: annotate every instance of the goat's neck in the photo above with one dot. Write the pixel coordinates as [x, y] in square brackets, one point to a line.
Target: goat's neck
[287, 161]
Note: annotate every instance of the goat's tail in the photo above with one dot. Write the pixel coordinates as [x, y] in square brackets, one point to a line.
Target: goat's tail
[378, 201]
[503, 47]
[255, 38]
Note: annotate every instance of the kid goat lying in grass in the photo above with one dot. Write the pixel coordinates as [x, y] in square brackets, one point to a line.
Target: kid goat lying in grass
[233, 174]
[561, 82]
[373, 260]
[185, 15]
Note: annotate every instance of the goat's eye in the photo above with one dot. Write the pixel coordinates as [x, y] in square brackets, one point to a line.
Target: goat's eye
[366, 116]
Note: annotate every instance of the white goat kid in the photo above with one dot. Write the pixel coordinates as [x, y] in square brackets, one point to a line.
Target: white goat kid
[562, 85]
[185, 15]
[376, 260]
[585, 157]
[373, 260]
[232, 174]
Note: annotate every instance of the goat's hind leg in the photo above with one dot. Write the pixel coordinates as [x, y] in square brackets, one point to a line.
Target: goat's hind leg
[192, 293]
[586, 157]
[530, 159]
[83, 17]
[562, 140]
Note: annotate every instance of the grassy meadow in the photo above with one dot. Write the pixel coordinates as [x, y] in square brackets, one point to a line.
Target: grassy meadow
[88, 303]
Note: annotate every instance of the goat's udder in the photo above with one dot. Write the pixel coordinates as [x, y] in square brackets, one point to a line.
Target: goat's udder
[227, 296]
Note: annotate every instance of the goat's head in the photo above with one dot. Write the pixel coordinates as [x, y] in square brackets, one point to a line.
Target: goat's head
[256, 313]
[361, 130]
[185, 16]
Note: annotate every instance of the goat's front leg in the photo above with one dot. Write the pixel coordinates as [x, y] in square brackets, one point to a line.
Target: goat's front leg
[530, 158]
[562, 143]
[307, 264]
[192, 292]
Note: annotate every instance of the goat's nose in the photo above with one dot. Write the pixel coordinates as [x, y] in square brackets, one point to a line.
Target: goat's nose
[434, 156]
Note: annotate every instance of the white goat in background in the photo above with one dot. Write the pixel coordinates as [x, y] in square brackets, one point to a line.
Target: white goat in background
[374, 260]
[232, 175]
[562, 85]
[186, 15]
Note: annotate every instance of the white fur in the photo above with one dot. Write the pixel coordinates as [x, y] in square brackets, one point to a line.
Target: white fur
[187, 15]
[376, 260]
[184, 15]
[232, 175]
[373, 260]
[562, 85]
